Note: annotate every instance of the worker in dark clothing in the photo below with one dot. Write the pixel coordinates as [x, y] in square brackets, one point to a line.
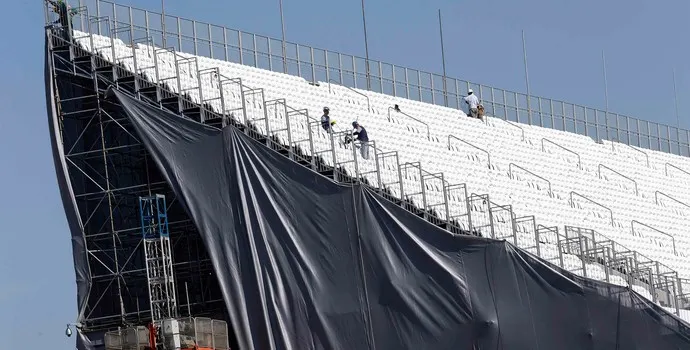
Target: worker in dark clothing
[326, 121]
[65, 13]
[363, 139]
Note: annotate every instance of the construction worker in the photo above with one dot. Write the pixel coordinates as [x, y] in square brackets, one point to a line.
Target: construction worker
[473, 103]
[363, 139]
[326, 121]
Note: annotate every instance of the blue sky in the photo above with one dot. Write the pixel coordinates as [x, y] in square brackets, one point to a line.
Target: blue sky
[643, 41]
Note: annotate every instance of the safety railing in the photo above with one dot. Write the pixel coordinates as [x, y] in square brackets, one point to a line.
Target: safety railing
[370, 173]
[673, 238]
[550, 236]
[656, 199]
[645, 154]
[513, 165]
[255, 112]
[522, 130]
[482, 220]
[277, 110]
[343, 161]
[660, 281]
[319, 64]
[488, 155]
[543, 148]
[433, 192]
[437, 200]
[602, 166]
[503, 222]
[499, 219]
[413, 186]
[353, 90]
[667, 165]
[391, 182]
[303, 147]
[572, 202]
[428, 129]
[527, 227]
[458, 194]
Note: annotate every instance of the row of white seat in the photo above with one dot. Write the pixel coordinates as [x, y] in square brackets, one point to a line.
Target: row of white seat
[626, 200]
[400, 132]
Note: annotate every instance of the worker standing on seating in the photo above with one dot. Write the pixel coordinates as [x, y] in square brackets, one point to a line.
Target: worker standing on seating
[326, 122]
[473, 103]
[363, 139]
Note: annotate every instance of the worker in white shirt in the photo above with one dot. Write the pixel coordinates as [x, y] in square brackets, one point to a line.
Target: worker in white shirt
[473, 102]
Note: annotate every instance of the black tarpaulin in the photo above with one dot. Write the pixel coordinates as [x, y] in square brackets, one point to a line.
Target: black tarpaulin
[305, 263]
[79, 251]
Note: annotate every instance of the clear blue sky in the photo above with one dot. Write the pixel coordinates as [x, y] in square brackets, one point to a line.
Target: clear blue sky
[643, 40]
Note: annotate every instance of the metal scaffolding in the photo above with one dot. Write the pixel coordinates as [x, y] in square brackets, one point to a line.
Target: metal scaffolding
[107, 170]
[158, 256]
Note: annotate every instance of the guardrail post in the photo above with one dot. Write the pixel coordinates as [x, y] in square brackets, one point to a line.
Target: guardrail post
[488, 155]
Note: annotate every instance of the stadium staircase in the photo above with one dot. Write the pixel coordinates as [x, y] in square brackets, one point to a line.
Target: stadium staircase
[218, 93]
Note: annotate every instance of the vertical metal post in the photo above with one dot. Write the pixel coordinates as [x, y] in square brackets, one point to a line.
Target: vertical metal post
[366, 47]
[196, 51]
[529, 94]
[82, 16]
[443, 60]
[98, 15]
[189, 310]
[606, 94]
[675, 100]
[282, 26]
[210, 40]
[163, 22]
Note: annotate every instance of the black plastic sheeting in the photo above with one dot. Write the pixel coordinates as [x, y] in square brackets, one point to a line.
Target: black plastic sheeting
[305, 263]
[79, 251]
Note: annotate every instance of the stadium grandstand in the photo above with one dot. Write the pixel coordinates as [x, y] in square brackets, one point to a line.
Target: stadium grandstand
[198, 178]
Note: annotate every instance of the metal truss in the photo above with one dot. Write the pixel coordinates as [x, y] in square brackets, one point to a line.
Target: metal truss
[158, 255]
[109, 170]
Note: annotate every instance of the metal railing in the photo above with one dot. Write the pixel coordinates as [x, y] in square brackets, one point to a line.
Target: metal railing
[543, 148]
[428, 129]
[613, 149]
[488, 155]
[619, 174]
[667, 165]
[353, 90]
[662, 282]
[522, 130]
[498, 219]
[673, 239]
[513, 165]
[656, 199]
[314, 64]
[572, 202]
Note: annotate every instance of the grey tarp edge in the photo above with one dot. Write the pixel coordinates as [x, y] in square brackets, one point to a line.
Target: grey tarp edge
[304, 263]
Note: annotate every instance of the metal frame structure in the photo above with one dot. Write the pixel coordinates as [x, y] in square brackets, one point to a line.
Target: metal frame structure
[158, 255]
[320, 65]
[109, 170]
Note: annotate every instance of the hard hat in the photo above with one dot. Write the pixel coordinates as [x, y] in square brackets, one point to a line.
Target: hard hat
[326, 109]
[470, 91]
